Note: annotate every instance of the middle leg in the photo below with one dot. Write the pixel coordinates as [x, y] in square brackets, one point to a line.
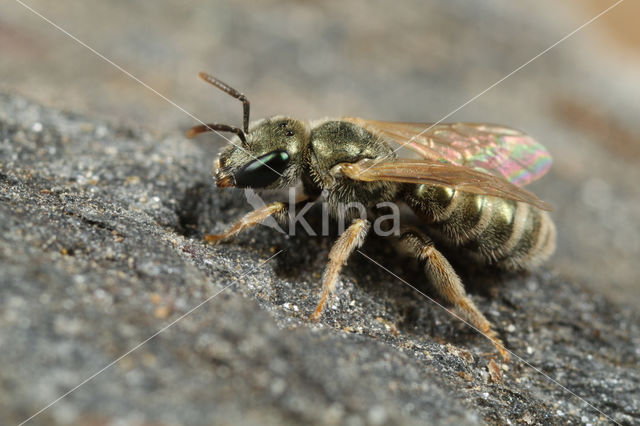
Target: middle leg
[350, 239]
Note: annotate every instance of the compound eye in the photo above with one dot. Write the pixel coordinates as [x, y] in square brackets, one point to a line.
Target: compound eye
[263, 171]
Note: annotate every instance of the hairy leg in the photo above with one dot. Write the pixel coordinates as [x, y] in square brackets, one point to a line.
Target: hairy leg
[448, 285]
[250, 219]
[350, 239]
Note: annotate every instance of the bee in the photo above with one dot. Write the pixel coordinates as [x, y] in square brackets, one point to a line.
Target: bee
[465, 186]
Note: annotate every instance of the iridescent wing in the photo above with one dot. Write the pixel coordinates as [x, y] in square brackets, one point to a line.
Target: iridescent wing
[497, 150]
[435, 172]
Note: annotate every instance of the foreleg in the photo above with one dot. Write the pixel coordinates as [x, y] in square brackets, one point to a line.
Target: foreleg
[249, 220]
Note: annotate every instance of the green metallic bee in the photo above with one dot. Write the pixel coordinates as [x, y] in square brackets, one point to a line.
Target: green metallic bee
[466, 186]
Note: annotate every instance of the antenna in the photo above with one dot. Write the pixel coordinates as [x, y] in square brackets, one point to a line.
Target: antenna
[233, 92]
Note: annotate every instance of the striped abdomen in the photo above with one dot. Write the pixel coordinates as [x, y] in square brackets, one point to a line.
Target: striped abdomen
[510, 234]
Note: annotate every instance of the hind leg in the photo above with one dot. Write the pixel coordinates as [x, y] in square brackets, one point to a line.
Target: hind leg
[448, 285]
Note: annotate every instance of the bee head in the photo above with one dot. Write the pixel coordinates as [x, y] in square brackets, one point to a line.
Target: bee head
[272, 156]
[269, 154]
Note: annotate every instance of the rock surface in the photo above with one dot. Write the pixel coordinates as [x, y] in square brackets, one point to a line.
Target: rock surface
[406, 61]
[101, 219]
[100, 249]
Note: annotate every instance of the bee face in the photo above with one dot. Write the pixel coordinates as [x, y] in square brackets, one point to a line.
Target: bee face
[272, 156]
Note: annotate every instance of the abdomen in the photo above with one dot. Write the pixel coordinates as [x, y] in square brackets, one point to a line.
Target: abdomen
[510, 234]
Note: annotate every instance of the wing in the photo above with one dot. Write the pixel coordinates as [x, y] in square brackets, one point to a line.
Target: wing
[437, 173]
[498, 150]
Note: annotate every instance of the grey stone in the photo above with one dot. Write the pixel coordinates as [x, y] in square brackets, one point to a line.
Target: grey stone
[101, 219]
[100, 248]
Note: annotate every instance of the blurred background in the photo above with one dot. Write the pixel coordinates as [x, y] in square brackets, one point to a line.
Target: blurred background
[406, 61]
